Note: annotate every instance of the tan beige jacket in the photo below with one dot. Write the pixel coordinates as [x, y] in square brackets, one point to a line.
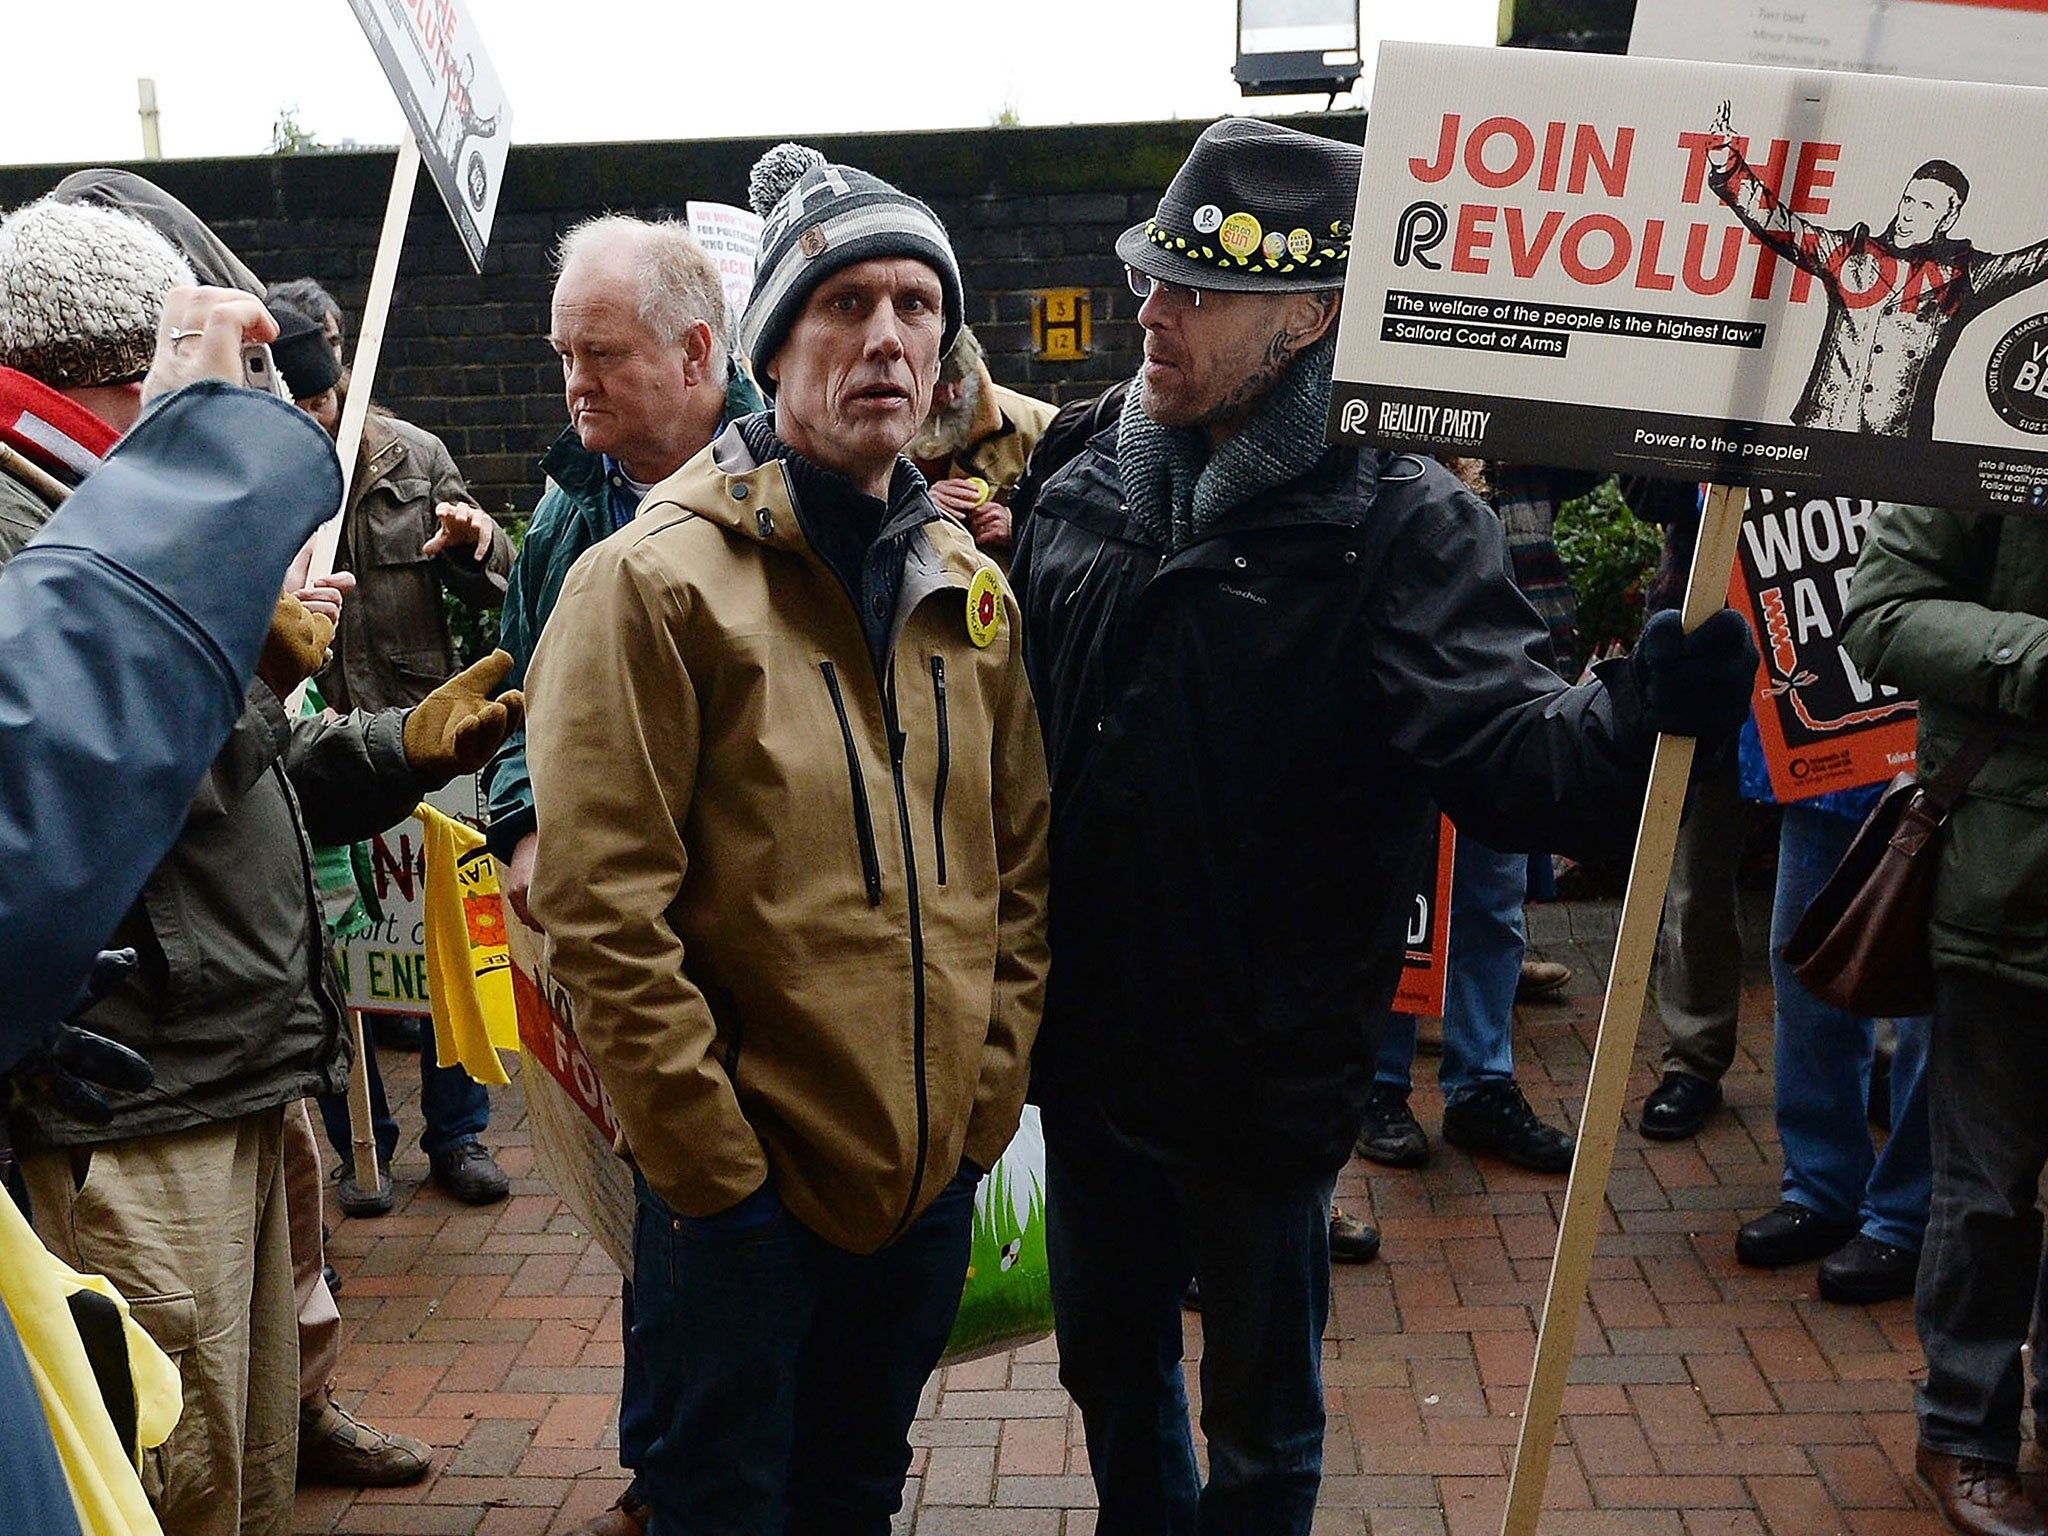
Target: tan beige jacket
[793, 953]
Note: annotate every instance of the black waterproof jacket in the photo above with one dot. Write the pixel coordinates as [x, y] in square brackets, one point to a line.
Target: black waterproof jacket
[1248, 743]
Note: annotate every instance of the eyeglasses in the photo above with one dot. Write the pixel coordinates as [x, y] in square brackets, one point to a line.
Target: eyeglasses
[1144, 285]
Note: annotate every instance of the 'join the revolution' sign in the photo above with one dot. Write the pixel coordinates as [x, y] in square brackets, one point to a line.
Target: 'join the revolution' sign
[1707, 271]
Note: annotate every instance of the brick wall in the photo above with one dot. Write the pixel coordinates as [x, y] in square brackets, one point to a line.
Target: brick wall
[465, 354]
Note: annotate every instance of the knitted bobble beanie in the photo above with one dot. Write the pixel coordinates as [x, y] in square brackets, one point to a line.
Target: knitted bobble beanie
[822, 218]
[81, 291]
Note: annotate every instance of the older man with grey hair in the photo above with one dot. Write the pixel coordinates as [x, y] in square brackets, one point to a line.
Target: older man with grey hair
[640, 323]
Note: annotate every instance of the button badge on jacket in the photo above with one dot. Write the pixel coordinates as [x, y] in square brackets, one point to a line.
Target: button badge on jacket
[984, 608]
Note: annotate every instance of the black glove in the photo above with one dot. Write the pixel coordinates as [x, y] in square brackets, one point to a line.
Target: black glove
[1696, 684]
[76, 1064]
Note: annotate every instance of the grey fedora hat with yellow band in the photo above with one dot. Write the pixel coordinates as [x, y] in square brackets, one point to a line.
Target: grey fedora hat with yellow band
[1257, 208]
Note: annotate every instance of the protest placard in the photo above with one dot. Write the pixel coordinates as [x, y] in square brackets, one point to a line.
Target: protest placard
[385, 969]
[1426, 964]
[435, 62]
[1997, 40]
[1823, 726]
[731, 237]
[1706, 271]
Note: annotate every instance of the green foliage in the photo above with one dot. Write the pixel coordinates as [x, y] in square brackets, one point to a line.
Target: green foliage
[475, 630]
[287, 137]
[1610, 556]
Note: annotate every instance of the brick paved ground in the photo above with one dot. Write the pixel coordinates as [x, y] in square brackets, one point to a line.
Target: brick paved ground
[1707, 1400]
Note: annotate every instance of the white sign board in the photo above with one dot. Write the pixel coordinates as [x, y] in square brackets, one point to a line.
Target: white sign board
[1704, 271]
[437, 67]
[731, 237]
[2001, 41]
[385, 970]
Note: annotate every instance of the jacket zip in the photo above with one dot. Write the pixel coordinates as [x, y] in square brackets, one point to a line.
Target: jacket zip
[924, 1125]
[333, 1005]
[945, 764]
[863, 818]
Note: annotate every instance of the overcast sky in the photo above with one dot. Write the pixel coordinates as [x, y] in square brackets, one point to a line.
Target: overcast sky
[595, 70]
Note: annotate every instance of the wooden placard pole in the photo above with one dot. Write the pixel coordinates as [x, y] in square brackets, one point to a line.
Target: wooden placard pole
[362, 377]
[1621, 1014]
[362, 374]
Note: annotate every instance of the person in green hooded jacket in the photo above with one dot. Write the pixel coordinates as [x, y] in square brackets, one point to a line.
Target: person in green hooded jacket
[1952, 607]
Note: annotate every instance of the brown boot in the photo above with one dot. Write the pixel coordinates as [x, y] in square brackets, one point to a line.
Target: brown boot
[1978, 1498]
[337, 1447]
[627, 1517]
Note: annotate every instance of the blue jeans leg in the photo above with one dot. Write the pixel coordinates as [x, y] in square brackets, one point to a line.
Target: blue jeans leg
[1124, 1233]
[721, 1317]
[783, 1373]
[1261, 1249]
[1823, 1054]
[1395, 1067]
[1486, 941]
[1895, 1202]
[1987, 1087]
[881, 1323]
[637, 1424]
[454, 1106]
[1119, 1268]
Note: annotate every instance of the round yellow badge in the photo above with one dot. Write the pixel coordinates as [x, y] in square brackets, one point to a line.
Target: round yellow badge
[982, 490]
[984, 607]
[1239, 235]
[1299, 243]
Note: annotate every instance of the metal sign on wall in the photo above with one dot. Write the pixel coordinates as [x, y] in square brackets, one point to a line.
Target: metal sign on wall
[1062, 324]
[435, 61]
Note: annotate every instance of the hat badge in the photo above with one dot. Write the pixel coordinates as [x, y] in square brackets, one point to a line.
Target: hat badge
[812, 241]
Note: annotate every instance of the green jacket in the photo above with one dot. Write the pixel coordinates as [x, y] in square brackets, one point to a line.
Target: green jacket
[1953, 608]
[574, 514]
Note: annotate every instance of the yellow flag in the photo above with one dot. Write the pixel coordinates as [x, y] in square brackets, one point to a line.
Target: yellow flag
[469, 969]
[105, 1487]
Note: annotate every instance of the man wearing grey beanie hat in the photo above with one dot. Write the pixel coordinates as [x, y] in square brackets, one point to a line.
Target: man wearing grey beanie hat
[791, 864]
[823, 218]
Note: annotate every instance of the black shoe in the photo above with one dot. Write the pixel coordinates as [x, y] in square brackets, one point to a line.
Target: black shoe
[1191, 1298]
[333, 1280]
[1351, 1240]
[357, 1201]
[1389, 1134]
[397, 1031]
[469, 1173]
[1678, 1106]
[1495, 1118]
[1863, 1271]
[1790, 1234]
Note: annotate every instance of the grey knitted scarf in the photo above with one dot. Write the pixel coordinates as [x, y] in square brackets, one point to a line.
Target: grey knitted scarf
[1176, 489]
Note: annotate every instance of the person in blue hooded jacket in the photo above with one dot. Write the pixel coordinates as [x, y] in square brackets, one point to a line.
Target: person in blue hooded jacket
[103, 615]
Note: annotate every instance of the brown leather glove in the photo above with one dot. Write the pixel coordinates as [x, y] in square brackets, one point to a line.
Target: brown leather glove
[295, 648]
[457, 727]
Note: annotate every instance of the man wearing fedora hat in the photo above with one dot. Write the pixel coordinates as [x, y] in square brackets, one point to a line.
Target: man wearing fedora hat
[1261, 663]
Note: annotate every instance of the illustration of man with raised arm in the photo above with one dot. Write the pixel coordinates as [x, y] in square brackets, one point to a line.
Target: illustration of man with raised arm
[1897, 301]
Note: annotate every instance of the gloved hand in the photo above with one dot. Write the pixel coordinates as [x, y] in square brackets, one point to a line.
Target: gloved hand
[1696, 684]
[295, 648]
[457, 727]
[77, 1063]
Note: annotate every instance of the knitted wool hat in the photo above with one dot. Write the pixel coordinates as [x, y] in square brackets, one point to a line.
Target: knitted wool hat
[81, 292]
[823, 218]
[302, 353]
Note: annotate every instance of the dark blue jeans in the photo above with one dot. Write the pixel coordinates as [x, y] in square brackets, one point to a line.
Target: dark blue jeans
[784, 1372]
[1125, 1233]
[454, 1105]
[1987, 1105]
